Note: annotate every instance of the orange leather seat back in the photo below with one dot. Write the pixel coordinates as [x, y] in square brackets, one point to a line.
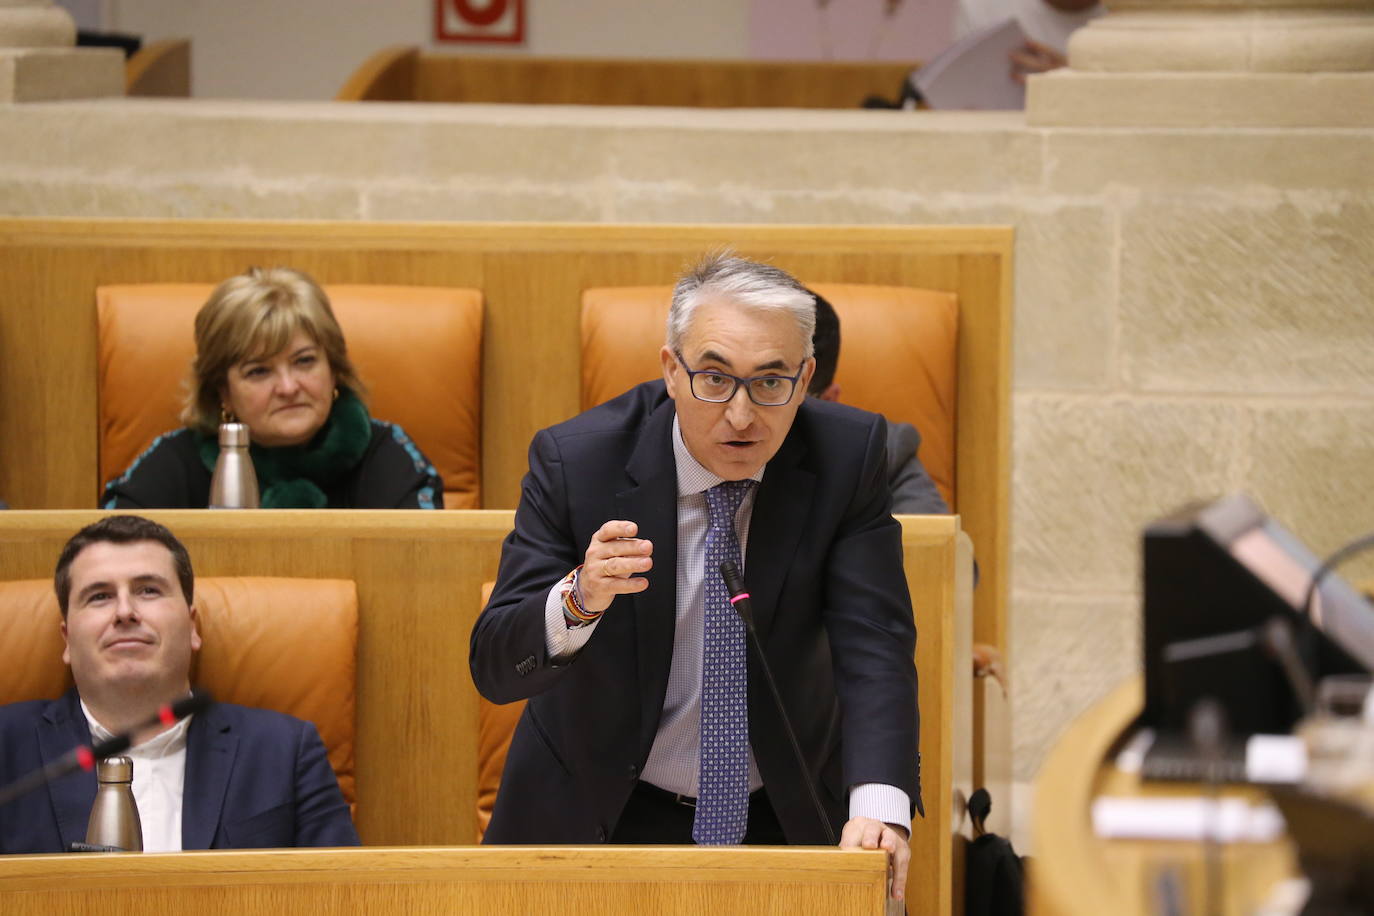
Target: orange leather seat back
[898, 355]
[418, 349]
[284, 644]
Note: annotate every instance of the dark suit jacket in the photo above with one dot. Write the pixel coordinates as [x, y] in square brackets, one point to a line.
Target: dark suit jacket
[254, 779]
[824, 568]
[912, 489]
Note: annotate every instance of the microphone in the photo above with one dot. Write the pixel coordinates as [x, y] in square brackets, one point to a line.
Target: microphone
[1277, 637]
[83, 757]
[1207, 729]
[739, 599]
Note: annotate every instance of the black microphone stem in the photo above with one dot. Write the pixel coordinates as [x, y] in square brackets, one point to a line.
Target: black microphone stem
[739, 599]
[83, 757]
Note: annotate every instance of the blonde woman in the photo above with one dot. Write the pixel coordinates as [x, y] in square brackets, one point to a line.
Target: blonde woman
[270, 354]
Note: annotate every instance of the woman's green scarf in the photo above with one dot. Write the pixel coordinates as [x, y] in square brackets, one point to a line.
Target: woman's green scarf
[296, 476]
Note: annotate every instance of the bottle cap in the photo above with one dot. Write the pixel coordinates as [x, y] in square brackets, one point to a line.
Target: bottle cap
[233, 435]
[114, 769]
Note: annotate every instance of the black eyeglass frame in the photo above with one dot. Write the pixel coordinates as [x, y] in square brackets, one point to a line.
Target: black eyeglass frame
[746, 382]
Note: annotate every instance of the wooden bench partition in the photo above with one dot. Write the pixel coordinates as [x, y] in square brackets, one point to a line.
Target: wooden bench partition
[409, 74]
[532, 277]
[418, 578]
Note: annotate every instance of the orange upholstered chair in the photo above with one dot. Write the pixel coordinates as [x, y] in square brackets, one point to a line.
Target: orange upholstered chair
[898, 355]
[283, 644]
[418, 349]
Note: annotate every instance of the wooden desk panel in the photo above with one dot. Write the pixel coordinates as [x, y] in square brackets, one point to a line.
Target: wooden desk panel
[488, 880]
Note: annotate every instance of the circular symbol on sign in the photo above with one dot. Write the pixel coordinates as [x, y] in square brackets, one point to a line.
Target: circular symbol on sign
[480, 13]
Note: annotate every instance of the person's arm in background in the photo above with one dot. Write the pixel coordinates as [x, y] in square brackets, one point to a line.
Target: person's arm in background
[872, 634]
[1036, 57]
[168, 475]
[913, 492]
[395, 474]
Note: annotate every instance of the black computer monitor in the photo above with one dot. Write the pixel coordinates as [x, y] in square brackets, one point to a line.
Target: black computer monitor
[1215, 574]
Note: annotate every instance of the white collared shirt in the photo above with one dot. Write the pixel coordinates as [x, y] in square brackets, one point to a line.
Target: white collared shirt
[158, 784]
[1041, 22]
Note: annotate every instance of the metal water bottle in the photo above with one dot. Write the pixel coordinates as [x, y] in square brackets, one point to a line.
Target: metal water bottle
[114, 816]
[235, 484]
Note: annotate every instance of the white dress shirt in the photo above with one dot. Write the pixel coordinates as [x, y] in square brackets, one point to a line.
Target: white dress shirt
[674, 760]
[1041, 22]
[159, 782]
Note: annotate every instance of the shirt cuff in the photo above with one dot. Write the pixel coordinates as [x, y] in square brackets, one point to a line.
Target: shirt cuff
[560, 640]
[888, 804]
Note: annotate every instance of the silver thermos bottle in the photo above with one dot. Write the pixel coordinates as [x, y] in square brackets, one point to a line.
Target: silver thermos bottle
[234, 485]
[114, 816]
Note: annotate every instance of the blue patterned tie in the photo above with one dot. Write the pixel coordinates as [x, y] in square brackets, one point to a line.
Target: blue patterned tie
[723, 794]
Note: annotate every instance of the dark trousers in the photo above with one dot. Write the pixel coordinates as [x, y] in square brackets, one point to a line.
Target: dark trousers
[653, 816]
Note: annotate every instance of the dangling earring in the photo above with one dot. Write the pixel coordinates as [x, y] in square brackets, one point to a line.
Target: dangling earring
[226, 415]
[336, 393]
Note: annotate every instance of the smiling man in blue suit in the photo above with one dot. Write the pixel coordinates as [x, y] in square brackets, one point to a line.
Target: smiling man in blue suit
[226, 778]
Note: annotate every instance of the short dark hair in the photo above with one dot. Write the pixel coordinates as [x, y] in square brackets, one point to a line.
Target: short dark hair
[121, 529]
[827, 345]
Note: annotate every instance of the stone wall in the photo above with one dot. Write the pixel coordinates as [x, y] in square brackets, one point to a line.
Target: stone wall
[1193, 306]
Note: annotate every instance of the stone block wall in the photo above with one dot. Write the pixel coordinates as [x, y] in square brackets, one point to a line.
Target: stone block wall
[1194, 307]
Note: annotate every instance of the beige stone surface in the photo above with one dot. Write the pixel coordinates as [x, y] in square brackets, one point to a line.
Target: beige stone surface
[36, 25]
[1072, 98]
[1072, 649]
[1263, 295]
[915, 159]
[192, 197]
[1295, 40]
[517, 201]
[1065, 324]
[43, 74]
[1312, 466]
[1090, 471]
[1238, 163]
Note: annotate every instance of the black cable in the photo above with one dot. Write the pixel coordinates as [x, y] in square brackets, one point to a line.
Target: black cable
[1359, 545]
[739, 598]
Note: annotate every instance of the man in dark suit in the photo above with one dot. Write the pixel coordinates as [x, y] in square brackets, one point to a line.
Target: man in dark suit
[912, 489]
[228, 777]
[648, 721]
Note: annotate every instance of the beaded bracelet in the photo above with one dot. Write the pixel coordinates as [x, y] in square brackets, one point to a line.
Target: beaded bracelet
[573, 612]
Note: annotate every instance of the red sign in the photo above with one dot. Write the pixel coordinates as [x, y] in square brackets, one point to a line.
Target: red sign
[479, 20]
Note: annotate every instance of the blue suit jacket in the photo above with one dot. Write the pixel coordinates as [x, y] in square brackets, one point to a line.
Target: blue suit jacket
[254, 779]
[824, 568]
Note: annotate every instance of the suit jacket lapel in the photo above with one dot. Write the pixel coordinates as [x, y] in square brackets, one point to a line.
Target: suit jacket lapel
[652, 504]
[776, 528]
[211, 747]
[64, 727]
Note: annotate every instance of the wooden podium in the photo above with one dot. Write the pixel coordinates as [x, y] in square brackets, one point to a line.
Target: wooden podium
[435, 879]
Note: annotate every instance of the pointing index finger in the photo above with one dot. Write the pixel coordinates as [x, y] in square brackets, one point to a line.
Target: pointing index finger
[614, 530]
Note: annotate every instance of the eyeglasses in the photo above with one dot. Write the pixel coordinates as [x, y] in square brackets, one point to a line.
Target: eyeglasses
[719, 387]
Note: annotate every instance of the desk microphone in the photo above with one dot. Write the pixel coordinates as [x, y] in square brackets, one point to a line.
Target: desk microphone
[1207, 729]
[739, 598]
[83, 757]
